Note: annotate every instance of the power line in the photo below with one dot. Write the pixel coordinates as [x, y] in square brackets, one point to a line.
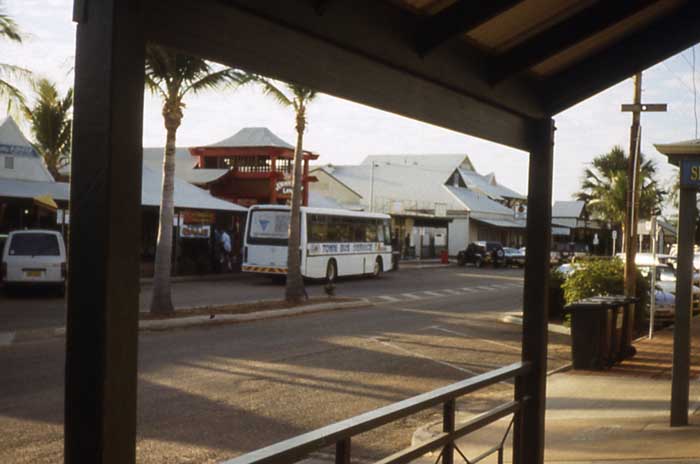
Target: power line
[689, 88]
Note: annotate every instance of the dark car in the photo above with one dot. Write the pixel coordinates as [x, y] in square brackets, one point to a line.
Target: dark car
[482, 253]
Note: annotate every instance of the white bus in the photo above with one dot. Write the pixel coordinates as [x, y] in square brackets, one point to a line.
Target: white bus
[334, 242]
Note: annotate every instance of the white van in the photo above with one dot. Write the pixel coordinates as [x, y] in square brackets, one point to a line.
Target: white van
[34, 257]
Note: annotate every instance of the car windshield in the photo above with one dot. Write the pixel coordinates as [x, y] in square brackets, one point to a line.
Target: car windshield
[34, 244]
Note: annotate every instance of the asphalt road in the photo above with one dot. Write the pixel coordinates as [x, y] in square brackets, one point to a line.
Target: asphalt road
[213, 393]
[38, 308]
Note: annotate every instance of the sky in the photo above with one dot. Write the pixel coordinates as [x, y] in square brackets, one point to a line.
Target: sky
[343, 132]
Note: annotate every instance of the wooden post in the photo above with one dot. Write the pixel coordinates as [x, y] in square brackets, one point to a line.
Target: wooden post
[536, 291]
[103, 281]
[680, 383]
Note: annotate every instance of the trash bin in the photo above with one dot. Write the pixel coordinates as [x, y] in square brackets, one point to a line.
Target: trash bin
[597, 339]
[444, 257]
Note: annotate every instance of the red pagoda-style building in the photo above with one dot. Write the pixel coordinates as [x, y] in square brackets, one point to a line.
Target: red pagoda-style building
[260, 167]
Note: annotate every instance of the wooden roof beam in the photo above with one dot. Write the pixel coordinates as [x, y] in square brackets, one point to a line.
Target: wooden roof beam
[459, 18]
[562, 36]
[664, 38]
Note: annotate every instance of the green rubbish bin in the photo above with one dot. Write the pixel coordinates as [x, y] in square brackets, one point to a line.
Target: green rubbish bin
[597, 338]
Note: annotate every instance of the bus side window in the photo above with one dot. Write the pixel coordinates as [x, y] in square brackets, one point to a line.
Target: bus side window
[371, 232]
[318, 228]
[358, 230]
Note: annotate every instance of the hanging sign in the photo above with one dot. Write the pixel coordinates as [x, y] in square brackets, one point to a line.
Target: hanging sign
[197, 217]
[690, 174]
[195, 231]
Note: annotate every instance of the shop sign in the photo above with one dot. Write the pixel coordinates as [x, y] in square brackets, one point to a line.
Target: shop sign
[17, 150]
[690, 174]
[198, 217]
[195, 231]
[284, 186]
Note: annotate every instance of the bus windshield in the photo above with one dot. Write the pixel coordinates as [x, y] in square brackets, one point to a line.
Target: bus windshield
[268, 227]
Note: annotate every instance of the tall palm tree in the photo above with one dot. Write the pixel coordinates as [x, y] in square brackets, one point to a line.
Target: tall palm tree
[50, 120]
[297, 98]
[8, 72]
[172, 76]
[604, 187]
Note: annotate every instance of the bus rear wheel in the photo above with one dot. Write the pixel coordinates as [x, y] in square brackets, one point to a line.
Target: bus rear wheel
[331, 271]
[378, 268]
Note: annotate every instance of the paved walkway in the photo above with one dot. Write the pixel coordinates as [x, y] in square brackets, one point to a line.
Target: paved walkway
[620, 415]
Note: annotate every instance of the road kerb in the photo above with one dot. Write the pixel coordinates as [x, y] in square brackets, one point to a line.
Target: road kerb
[517, 319]
[32, 335]
[200, 320]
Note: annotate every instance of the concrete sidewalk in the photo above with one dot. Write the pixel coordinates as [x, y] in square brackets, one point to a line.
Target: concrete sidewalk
[615, 416]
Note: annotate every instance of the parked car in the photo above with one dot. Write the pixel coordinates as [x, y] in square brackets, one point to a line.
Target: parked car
[34, 257]
[482, 253]
[514, 257]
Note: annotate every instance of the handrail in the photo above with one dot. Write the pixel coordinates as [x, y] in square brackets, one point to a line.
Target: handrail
[339, 434]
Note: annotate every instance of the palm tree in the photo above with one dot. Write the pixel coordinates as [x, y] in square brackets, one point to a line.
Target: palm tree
[50, 120]
[604, 187]
[8, 92]
[172, 76]
[297, 98]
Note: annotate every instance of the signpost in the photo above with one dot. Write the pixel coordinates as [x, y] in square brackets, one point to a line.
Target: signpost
[687, 156]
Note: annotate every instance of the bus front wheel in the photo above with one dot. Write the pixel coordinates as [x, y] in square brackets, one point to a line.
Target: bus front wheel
[331, 271]
[378, 268]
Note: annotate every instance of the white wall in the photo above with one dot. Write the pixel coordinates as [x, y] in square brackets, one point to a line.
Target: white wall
[24, 168]
[458, 236]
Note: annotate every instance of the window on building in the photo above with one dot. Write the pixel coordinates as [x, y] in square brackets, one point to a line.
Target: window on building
[9, 162]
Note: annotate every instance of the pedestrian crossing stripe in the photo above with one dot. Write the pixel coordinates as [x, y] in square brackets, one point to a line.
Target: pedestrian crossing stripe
[264, 269]
[411, 296]
[388, 298]
[450, 291]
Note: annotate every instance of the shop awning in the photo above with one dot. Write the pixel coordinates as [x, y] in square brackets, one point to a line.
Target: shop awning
[45, 201]
[502, 222]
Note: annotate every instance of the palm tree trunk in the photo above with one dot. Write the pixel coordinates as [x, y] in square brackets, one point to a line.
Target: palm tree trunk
[295, 283]
[161, 301]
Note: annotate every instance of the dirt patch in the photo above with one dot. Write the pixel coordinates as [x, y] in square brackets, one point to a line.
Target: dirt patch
[241, 308]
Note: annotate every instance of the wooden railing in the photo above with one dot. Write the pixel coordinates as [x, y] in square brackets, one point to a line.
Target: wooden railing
[341, 433]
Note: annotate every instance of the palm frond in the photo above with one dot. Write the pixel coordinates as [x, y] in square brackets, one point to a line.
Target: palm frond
[9, 28]
[227, 77]
[273, 90]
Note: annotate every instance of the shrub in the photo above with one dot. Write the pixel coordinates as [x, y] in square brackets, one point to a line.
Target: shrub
[556, 295]
[604, 277]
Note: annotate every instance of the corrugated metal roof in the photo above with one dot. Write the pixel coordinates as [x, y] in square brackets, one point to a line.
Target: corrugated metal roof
[416, 187]
[447, 162]
[184, 166]
[505, 223]
[476, 202]
[13, 188]
[488, 185]
[11, 135]
[253, 137]
[318, 200]
[27, 164]
[186, 195]
[567, 209]
[183, 158]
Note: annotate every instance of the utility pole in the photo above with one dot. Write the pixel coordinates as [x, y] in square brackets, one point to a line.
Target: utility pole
[633, 194]
[371, 187]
